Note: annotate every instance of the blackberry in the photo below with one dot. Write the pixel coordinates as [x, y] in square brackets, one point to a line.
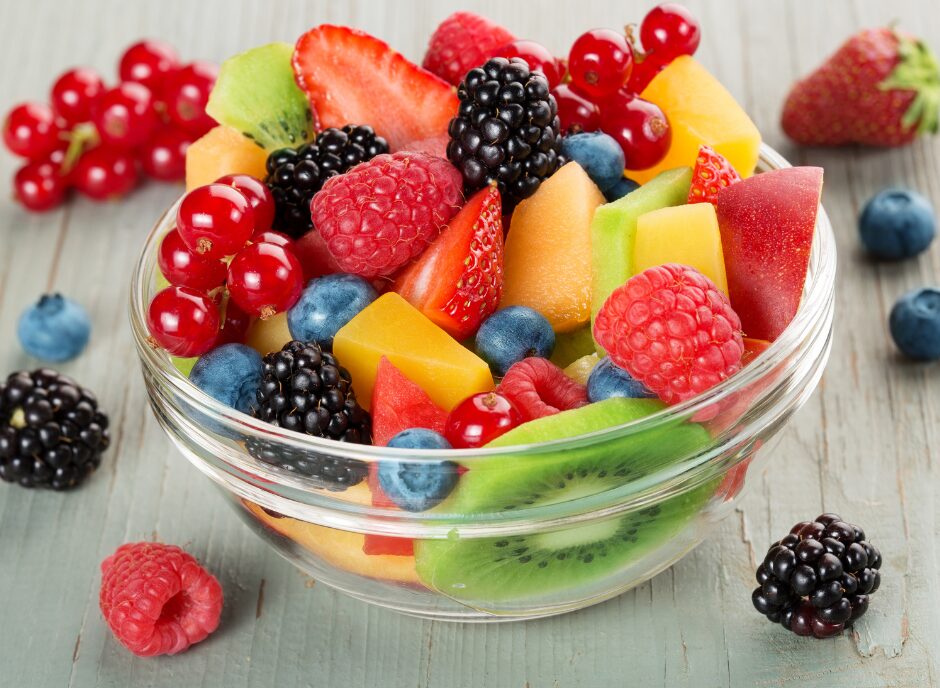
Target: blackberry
[295, 175]
[305, 389]
[818, 578]
[506, 131]
[51, 431]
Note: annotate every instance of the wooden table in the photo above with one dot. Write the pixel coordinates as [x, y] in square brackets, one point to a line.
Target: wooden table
[866, 445]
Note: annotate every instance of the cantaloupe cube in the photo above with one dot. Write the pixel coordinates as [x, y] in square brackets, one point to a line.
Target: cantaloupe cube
[686, 234]
[220, 152]
[431, 358]
[547, 259]
[700, 111]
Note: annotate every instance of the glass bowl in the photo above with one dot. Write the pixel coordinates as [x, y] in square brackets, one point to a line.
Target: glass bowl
[530, 530]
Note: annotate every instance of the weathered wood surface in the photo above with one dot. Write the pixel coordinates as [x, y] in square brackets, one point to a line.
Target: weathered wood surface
[866, 445]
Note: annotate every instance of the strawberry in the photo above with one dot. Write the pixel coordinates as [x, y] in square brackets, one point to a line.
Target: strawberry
[350, 76]
[458, 280]
[881, 88]
[711, 174]
[463, 41]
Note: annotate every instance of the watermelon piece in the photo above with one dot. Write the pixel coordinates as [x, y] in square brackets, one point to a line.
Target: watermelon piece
[399, 404]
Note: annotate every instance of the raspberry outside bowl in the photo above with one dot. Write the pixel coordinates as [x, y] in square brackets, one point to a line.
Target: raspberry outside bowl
[513, 541]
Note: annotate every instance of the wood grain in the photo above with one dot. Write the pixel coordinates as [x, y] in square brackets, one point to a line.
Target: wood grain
[865, 445]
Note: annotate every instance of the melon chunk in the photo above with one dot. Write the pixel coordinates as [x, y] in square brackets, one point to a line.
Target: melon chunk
[220, 152]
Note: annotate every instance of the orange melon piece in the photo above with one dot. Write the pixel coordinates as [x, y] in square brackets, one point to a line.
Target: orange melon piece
[422, 351]
[547, 259]
[220, 152]
[700, 112]
[341, 548]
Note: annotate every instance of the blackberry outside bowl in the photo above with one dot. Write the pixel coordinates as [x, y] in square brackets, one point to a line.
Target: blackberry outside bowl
[529, 531]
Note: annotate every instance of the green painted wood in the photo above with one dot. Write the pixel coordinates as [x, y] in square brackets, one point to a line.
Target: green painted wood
[865, 445]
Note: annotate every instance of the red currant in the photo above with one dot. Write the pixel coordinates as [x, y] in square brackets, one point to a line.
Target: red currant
[215, 220]
[148, 63]
[576, 112]
[277, 238]
[40, 185]
[600, 63]
[184, 268]
[670, 30]
[30, 131]
[264, 279]
[258, 195]
[183, 321]
[105, 173]
[537, 56]
[125, 115]
[643, 72]
[186, 92]
[640, 128]
[480, 419]
[74, 93]
[163, 157]
[235, 326]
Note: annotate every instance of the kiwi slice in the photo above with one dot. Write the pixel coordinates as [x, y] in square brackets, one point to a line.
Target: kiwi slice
[256, 94]
[482, 571]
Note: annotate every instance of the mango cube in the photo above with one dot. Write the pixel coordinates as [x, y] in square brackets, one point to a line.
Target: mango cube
[686, 234]
[422, 351]
[700, 111]
[547, 259]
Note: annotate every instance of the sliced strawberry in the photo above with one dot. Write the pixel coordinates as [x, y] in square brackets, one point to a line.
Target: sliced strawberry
[712, 173]
[399, 404]
[350, 76]
[435, 145]
[458, 280]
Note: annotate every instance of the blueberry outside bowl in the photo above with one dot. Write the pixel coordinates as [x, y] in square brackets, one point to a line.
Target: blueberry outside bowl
[475, 566]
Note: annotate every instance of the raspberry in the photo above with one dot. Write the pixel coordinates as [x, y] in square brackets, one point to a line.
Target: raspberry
[673, 330]
[157, 599]
[712, 173]
[461, 42]
[540, 388]
[384, 212]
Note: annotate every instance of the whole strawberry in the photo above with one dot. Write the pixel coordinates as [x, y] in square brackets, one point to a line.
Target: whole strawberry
[881, 88]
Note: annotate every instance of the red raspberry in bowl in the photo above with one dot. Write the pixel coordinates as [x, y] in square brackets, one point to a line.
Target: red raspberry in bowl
[384, 212]
[157, 599]
[540, 388]
[464, 40]
[673, 330]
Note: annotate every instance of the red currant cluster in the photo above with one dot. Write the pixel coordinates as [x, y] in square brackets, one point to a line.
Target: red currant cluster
[225, 266]
[607, 71]
[97, 139]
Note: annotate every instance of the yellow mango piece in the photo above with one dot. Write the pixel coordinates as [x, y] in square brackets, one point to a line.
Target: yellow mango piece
[547, 259]
[220, 152]
[700, 111]
[686, 234]
[271, 334]
[422, 351]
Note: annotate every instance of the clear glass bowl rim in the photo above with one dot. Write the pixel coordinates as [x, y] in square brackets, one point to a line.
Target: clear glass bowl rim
[817, 293]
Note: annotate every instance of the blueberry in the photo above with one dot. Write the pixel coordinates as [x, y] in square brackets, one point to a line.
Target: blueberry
[915, 324]
[326, 305]
[54, 329]
[511, 334]
[607, 380]
[620, 189]
[413, 485]
[897, 223]
[599, 154]
[231, 374]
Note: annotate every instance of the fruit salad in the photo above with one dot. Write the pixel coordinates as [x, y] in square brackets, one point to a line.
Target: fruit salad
[495, 249]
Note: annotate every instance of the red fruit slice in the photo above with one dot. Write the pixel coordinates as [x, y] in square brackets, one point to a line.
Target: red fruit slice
[434, 145]
[767, 223]
[458, 280]
[314, 256]
[712, 173]
[399, 404]
[350, 76]
[383, 544]
[540, 388]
